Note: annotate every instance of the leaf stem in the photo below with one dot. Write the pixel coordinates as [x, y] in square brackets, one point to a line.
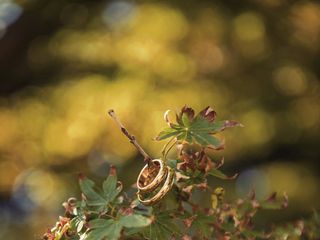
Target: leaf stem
[167, 151]
[163, 151]
[131, 138]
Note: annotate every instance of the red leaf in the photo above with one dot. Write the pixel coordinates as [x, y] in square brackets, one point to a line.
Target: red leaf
[81, 176]
[188, 111]
[272, 197]
[188, 221]
[252, 195]
[232, 123]
[286, 200]
[112, 171]
[209, 114]
[186, 237]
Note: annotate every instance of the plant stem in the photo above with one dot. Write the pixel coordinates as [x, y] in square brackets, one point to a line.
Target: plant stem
[168, 150]
[163, 151]
[131, 138]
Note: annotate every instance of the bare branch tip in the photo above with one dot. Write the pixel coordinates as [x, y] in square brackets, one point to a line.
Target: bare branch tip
[111, 112]
[131, 138]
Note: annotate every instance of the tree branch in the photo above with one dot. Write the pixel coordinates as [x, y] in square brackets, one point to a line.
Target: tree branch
[131, 138]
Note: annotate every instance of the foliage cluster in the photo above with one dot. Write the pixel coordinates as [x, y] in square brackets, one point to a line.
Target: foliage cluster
[110, 213]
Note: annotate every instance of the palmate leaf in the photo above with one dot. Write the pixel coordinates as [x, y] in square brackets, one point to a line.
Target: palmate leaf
[167, 133]
[203, 224]
[111, 228]
[202, 125]
[104, 229]
[198, 129]
[162, 227]
[77, 223]
[207, 140]
[135, 221]
[111, 186]
[173, 163]
[93, 197]
[96, 198]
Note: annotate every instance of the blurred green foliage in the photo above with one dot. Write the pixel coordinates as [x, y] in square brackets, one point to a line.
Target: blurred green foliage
[64, 63]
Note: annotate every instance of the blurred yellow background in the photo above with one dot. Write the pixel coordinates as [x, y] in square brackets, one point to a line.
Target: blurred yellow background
[64, 63]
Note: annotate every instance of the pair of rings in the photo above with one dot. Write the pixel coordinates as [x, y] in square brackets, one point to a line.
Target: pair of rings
[154, 182]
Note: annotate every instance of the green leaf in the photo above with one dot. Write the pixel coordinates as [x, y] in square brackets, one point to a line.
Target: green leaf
[110, 188]
[93, 197]
[167, 133]
[207, 140]
[100, 223]
[110, 229]
[185, 137]
[163, 227]
[185, 120]
[76, 223]
[222, 125]
[173, 163]
[104, 229]
[111, 233]
[97, 234]
[197, 129]
[217, 173]
[135, 221]
[253, 234]
[133, 231]
[203, 224]
[200, 124]
[182, 136]
[109, 185]
[216, 126]
[188, 137]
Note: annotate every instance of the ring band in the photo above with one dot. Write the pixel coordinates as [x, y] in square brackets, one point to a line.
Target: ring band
[162, 173]
[162, 192]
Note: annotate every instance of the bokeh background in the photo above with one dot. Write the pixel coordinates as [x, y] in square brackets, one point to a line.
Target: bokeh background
[63, 63]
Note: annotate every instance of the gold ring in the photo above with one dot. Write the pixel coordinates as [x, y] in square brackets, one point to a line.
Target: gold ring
[162, 192]
[146, 185]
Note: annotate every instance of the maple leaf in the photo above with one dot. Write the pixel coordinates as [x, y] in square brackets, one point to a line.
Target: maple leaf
[196, 129]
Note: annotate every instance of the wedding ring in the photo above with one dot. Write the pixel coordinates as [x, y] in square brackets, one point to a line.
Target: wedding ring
[143, 183]
[162, 192]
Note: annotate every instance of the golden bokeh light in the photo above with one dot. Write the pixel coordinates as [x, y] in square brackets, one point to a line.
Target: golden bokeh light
[249, 34]
[254, 61]
[305, 20]
[10, 128]
[260, 128]
[249, 27]
[9, 170]
[292, 179]
[290, 80]
[155, 22]
[42, 187]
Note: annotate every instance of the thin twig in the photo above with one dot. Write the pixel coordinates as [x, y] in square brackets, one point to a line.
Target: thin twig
[131, 138]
